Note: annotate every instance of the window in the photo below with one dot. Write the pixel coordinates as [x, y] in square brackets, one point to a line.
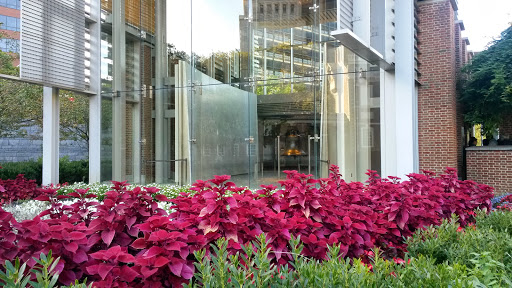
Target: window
[262, 9]
[13, 4]
[292, 9]
[269, 8]
[276, 7]
[284, 9]
[9, 45]
[9, 23]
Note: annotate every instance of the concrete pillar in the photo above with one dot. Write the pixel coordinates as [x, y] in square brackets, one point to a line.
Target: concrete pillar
[160, 74]
[119, 97]
[405, 91]
[95, 100]
[388, 124]
[50, 135]
[362, 27]
[136, 118]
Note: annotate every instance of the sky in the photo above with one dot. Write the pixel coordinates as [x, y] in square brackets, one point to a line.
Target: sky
[212, 33]
[484, 20]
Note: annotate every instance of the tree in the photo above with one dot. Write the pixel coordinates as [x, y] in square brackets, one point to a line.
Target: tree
[486, 94]
[21, 106]
[20, 103]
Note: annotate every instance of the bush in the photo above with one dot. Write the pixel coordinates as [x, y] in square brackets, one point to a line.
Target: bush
[500, 221]
[31, 170]
[18, 189]
[474, 247]
[252, 268]
[69, 171]
[73, 171]
[128, 241]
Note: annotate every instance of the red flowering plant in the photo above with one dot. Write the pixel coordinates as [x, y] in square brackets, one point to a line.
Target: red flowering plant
[110, 266]
[115, 219]
[127, 241]
[8, 226]
[505, 203]
[166, 256]
[16, 189]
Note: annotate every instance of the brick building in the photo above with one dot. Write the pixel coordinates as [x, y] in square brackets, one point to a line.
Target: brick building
[442, 52]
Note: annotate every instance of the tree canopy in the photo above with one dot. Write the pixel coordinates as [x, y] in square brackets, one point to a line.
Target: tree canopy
[486, 93]
[21, 105]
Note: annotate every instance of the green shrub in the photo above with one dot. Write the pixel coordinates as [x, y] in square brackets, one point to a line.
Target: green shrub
[69, 171]
[73, 171]
[486, 248]
[31, 169]
[442, 256]
[497, 221]
[45, 274]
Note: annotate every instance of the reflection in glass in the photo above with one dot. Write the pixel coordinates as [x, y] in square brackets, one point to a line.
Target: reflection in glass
[253, 88]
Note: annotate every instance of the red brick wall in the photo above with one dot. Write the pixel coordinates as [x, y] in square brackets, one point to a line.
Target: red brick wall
[491, 167]
[437, 106]
[506, 127]
[460, 52]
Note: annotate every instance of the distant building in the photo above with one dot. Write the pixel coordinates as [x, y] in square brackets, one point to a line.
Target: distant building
[10, 27]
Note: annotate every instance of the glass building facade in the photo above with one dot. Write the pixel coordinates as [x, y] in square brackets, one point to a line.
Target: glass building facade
[192, 89]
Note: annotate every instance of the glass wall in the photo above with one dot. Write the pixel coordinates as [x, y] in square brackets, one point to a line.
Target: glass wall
[238, 87]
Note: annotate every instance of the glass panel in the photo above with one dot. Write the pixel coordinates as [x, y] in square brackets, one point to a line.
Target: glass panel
[21, 131]
[287, 41]
[106, 137]
[351, 114]
[222, 102]
[256, 87]
[74, 136]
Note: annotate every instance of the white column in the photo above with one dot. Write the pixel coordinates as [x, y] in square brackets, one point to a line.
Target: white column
[405, 92]
[119, 97]
[50, 135]
[388, 124]
[160, 74]
[95, 100]
[361, 27]
[136, 118]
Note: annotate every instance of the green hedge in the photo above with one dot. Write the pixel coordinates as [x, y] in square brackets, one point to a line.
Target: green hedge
[69, 171]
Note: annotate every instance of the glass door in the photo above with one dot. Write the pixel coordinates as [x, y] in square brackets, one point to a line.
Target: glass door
[288, 65]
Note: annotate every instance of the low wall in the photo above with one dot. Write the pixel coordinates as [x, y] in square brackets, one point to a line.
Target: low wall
[491, 165]
[30, 147]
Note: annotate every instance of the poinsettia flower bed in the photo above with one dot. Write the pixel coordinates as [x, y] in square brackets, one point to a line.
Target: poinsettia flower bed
[128, 241]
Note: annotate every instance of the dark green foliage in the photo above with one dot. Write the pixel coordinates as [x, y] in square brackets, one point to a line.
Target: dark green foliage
[486, 92]
[31, 169]
[73, 171]
[69, 171]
